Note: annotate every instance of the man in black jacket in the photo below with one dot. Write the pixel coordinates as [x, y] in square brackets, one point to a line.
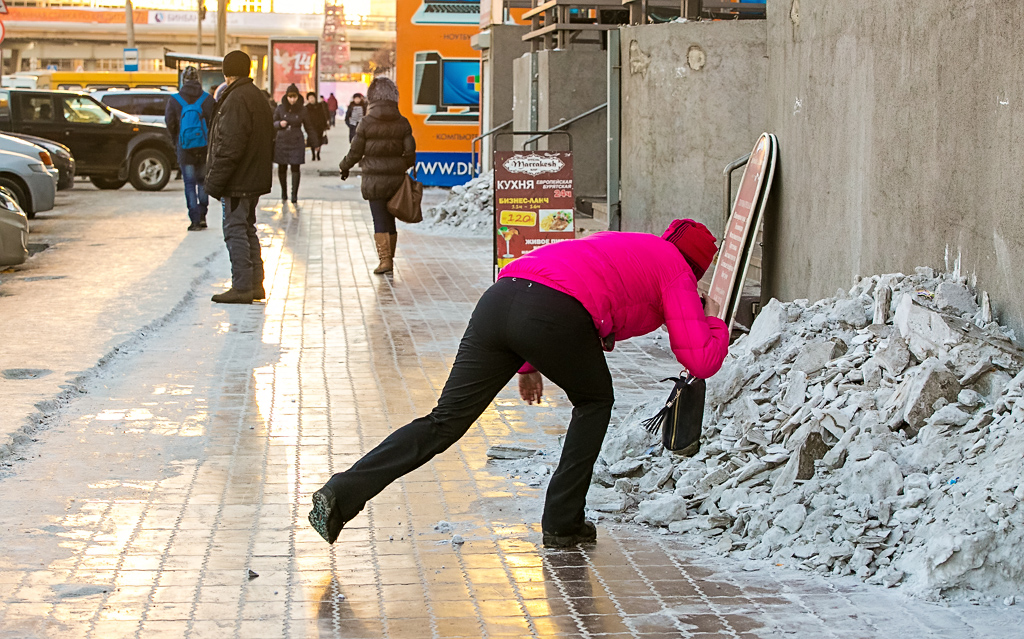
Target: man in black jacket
[239, 172]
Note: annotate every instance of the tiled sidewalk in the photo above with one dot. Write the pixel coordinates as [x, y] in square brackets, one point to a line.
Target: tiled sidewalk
[190, 463]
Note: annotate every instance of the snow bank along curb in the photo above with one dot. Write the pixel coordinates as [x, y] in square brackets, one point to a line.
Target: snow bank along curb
[467, 211]
[877, 433]
[48, 408]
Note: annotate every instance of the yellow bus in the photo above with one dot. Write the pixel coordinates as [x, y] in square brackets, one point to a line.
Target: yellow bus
[90, 80]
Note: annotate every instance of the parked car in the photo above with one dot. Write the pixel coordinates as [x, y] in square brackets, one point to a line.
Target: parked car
[14, 145]
[61, 155]
[29, 181]
[147, 105]
[110, 147]
[13, 230]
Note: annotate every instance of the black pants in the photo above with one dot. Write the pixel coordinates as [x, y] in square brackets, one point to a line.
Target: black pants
[282, 176]
[383, 221]
[515, 320]
[243, 244]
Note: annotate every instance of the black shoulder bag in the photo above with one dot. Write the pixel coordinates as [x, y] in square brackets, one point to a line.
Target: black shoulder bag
[682, 417]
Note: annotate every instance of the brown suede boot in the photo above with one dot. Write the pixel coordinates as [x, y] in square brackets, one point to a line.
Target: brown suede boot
[394, 243]
[383, 243]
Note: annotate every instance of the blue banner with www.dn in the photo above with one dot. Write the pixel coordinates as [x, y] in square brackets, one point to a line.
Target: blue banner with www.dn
[443, 169]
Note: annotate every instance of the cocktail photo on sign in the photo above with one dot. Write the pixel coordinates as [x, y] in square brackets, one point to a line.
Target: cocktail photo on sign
[294, 61]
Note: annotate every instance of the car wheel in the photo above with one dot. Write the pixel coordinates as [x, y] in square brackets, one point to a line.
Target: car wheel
[19, 194]
[107, 184]
[150, 170]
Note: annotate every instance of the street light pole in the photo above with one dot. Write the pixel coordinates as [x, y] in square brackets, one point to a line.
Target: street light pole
[222, 27]
[200, 13]
[129, 19]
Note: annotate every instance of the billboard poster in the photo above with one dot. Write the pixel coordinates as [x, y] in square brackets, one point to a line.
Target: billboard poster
[438, 77]
[533, 201]
[294, 61]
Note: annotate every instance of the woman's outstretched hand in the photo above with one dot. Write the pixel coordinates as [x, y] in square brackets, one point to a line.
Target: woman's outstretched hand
[531, 386]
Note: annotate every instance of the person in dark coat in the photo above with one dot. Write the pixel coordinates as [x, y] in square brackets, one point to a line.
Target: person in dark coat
[318, 116]
[191, 160]
[354, 114]
[384, 147]
[332, 108]
[239, 170]
[290, 147]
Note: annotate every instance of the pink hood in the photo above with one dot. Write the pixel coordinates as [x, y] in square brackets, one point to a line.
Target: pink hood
[632, 283]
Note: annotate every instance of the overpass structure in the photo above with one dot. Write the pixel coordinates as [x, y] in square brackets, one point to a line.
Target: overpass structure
[93, 39]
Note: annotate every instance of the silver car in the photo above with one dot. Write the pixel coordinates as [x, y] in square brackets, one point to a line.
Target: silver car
[29, 181]
[13, 230]
[32, 150]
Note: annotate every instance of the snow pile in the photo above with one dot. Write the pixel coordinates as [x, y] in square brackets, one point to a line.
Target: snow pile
[878, 433]
[468, 210]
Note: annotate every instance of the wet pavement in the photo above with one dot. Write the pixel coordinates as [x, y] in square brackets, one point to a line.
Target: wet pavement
[169, 499]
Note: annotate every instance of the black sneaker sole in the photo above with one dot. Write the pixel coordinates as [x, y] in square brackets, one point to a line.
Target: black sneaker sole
[586, 536]
[320, 515]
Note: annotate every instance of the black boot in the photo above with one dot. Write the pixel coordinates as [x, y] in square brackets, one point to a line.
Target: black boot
[295, 184]
[586, 534]
[232, 296]
[282, 177]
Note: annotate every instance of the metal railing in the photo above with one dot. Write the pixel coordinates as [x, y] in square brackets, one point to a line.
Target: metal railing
[562, 125]
[477, 158]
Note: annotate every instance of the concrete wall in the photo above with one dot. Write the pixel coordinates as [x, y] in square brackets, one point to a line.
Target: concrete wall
[570, 82]
[505, 46]
[901, 134]
[693, 100]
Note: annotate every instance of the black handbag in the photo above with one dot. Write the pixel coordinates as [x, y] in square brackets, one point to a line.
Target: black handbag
[682, 417]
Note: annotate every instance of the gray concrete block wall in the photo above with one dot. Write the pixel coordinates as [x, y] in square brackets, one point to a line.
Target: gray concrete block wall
[506, 45]
[570, 82]
[685, 115]
[901, 134]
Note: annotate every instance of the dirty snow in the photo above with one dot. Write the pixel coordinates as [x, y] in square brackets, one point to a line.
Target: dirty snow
[878, 433]
[468, 211]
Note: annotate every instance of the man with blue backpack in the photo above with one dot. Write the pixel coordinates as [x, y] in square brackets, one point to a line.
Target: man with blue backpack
[188, 116]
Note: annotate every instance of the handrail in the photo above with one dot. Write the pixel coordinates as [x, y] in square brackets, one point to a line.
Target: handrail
[562, 125]
[472, 148]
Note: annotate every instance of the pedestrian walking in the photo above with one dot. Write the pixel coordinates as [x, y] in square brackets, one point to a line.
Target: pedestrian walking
[318, 117]
[239, 171]
[384, 147]
[188, 116]
[290, 118]
[552, 312]
[332, 108]
[354, 114]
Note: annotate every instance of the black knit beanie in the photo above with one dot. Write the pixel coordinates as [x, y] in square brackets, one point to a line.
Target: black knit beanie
[237, 64]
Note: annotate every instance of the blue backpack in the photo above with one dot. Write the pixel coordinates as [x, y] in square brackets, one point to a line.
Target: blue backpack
[192, 132]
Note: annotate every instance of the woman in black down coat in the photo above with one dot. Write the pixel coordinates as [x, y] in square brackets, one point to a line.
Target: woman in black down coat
[384, 147]
[290, 118]
[318, 116]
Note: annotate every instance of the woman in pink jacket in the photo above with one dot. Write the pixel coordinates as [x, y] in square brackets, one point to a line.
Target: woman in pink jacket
[553, 310]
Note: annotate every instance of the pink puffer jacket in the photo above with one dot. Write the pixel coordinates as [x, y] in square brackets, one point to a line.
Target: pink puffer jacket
[631, 283]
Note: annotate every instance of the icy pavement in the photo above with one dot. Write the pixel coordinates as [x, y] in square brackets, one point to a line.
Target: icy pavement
[114, 263]
[170, 498]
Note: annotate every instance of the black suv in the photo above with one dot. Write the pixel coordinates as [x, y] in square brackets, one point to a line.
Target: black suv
[110, 147]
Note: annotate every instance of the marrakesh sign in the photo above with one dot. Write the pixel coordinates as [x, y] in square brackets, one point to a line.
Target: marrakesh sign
[533, 202]
[534, 164]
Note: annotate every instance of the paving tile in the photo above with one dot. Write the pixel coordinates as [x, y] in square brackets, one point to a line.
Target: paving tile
[238, 414]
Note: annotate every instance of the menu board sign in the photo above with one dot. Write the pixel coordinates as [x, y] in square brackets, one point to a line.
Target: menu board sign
[533, 201]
